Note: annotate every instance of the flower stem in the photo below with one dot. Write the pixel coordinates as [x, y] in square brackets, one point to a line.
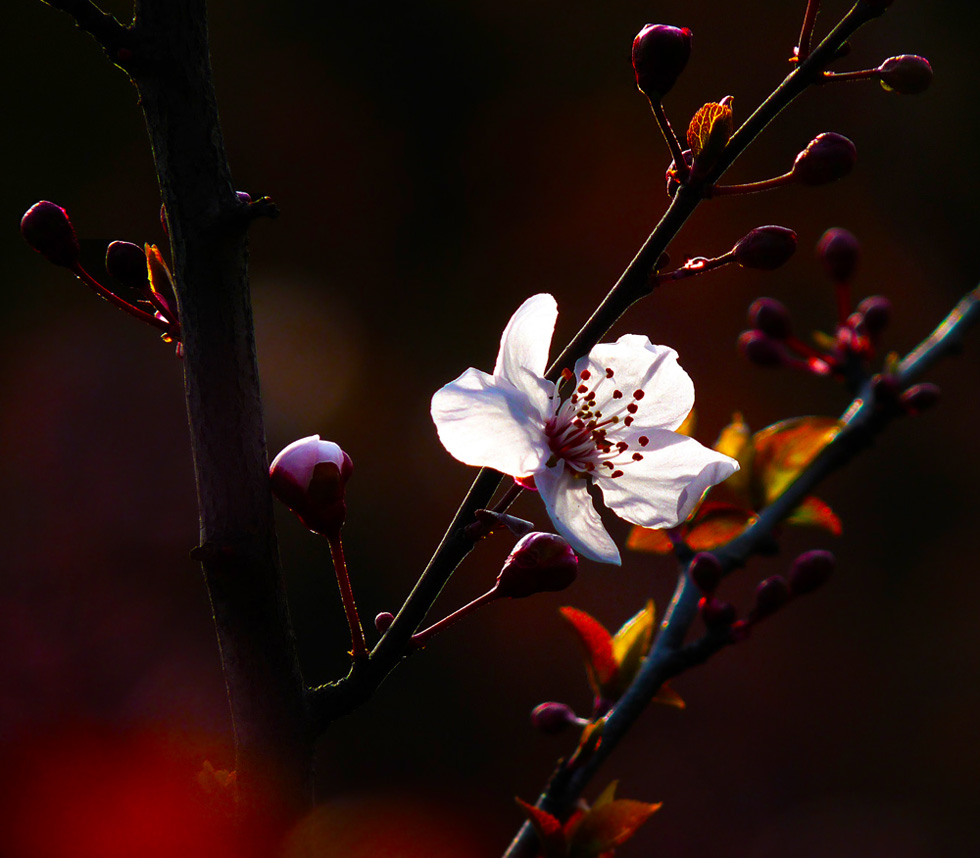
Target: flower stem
[861, 74]
[809, 19]
[114, 299]
[673, 144]
[423, 636]
[358, 642]
[751, 187]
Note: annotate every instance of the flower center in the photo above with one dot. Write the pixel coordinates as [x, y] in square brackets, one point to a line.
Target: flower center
[591, 428]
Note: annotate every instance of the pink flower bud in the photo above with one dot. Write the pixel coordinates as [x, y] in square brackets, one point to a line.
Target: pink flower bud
[828, 157]
[705, 571]
[49, 231]
[309, 477]
[660, 53]
[875, 313]
[771, 317]
[126, 262]
[770, 596]
[839, 251]
[765, 247]
[761, 349]
[383, 621]
[539, 562]
[906, 74]
[553, 718]
[920, 397]
[810, 571]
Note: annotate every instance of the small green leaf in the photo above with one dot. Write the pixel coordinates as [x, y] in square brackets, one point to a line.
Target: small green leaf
[784, 449]
[816, 513]
[708, 133]
[607, 826]
[630, 646]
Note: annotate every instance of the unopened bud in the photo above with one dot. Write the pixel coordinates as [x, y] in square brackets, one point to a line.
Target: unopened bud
[875, 312]
[243, 196]
[920, 397]
[539, 562]
[828, 157]
[771, 317]
[765, 247]
[839, 251]
[383, 621]
[770, 596]
[810, 571]
[126, 262]
[907, 74]
[48, 230]
[660, 53]
[706, 571]
[553, 718]
[715, 613]
[309, 477]
[761, 349]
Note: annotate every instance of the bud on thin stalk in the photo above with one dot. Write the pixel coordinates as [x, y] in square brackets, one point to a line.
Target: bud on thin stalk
[907, 74]
[827, 157]
[765, 247]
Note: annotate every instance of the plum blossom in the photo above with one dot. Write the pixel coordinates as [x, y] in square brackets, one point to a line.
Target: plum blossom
[611, 422]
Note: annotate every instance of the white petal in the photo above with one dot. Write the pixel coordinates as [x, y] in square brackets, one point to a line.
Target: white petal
[487, 422]
[526, 340]
[567, 500]
[639, 365]
[662, 488]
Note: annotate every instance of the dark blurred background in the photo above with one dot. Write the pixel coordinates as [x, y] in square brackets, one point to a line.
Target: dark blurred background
[436, 163]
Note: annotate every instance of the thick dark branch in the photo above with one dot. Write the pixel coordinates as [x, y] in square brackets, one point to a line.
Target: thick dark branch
[105, 29]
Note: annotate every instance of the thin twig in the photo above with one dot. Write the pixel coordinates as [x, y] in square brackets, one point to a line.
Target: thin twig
[104, 28]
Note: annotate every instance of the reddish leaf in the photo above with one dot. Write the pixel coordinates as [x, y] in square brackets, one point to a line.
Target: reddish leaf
[607, 826]
[548, 829]
[653, 541]
[716, 525]
[668, 697]
[600, 662]
[784, 449]
[815, 512]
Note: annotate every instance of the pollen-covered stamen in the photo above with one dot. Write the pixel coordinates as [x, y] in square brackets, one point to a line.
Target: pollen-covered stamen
[588, 427]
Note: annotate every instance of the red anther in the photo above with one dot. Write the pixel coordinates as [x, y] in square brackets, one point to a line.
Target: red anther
[919, 398]
[907, 74]
[553, 718]
[771, 317]
[705, 570]
[827, 157]
[809, 571]
[765, 247]
[660, 53]
[839, 251]
[46, 228]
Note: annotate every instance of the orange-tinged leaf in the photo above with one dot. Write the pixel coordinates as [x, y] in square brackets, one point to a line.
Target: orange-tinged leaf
[735, 440]
[689, 425]
[548, 829]
[653, 541]
[784, 449]
[600, 662]
[668, 697]
[815, 512]
[608, 826]
[157, 271]
[709, 130]
[630, 646]
[590, 739]
[717, 525]
[607, 795]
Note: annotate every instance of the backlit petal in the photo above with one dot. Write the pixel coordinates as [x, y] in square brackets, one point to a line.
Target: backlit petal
[638, 365]
[526, 340]
[487, 422]
[567, 500]
[661, 489]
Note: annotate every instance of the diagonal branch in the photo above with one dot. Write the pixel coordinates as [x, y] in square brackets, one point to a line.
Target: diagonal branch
[104, 28]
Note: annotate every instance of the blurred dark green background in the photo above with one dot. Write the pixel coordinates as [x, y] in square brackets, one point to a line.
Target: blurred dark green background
[436, 163]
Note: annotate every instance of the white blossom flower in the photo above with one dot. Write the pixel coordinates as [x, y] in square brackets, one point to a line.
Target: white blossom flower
[615, 428]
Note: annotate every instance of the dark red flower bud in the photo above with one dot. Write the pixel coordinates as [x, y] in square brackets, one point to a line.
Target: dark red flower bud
[809, 571]
[49, 231]
[828, 157]
[243, 196]
[907, 74]
[771, 317]
[383, 621]
[660, 53]
[761, 349]
[539, 562]
[839, 251]
[126, 262]
[309, 477]
[553, 718]
[765, 247]
[920, 397]
[770, 596]
[706, 571]
[717, 614]
[876, 313]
